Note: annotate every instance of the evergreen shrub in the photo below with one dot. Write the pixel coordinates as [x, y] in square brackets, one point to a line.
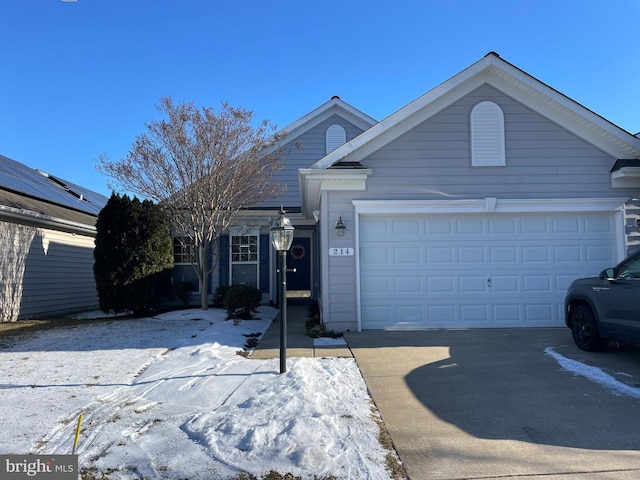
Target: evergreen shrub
[133, 260]
[241, 301]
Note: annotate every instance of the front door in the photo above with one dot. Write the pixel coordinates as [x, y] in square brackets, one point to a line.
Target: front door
[299, 258]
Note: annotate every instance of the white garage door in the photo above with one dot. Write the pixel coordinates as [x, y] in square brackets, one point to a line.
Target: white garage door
[483, 270]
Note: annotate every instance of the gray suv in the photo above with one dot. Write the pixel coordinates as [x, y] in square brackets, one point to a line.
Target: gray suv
[606, 307]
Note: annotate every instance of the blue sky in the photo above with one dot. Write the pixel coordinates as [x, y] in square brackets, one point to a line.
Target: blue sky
[81, 79]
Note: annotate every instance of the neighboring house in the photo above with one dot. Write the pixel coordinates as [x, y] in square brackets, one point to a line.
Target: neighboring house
[473, 206]
[47, 232]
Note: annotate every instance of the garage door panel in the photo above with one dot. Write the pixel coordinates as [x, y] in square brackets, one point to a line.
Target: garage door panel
[472, 284]
[474, 314]
[599, 224]
[534, 225]
[566, 224]
[601, 253]
[471, 255]
[535, 254]
[505, 283]
[409, 254]
[503, 254]
[441, 255]
[375, 285]
[537, 283]
[439, 226]
[441, 315]
[566, 253]
[408, 285]
[376, 255]
[441, 284]
[505, 313]
[477, 270]
[406, 227]
[538, 312]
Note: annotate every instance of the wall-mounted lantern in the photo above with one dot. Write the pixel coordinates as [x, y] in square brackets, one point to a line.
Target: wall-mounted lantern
[340, 227]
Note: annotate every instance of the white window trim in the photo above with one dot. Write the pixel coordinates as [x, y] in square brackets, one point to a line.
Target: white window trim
[335, 137]
[173, 253]
[487, 136]
[246, 232]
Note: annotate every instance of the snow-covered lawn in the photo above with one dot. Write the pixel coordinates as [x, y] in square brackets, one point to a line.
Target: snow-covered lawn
[170, 397]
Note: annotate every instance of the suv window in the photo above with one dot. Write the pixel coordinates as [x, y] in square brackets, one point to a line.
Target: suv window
[630, 269]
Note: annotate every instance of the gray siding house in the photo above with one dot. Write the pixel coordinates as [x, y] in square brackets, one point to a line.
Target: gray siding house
[47, 232]
[473, 206]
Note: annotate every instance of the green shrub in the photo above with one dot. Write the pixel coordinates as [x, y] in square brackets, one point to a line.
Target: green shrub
[241, 301]
[314, 327]
[132, 254]
[219, 296]
[182, 291]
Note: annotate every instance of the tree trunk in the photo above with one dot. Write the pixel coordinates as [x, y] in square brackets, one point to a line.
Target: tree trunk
[204, 287]
[203, 293]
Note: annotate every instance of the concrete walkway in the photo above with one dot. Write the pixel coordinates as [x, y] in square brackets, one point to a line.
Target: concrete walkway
[299, 344]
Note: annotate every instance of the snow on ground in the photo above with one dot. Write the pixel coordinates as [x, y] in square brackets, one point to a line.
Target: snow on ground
[593, 374]
[169, 397]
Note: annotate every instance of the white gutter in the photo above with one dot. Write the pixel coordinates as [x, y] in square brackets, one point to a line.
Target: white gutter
[21, 214]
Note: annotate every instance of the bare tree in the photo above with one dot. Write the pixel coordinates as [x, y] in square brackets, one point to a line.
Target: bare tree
[204, 167]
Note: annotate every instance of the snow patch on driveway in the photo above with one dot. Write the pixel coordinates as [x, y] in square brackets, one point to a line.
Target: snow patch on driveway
[593, 374]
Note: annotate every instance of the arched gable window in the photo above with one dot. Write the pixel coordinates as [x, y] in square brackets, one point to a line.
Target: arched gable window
[336, 137]
[487, 136]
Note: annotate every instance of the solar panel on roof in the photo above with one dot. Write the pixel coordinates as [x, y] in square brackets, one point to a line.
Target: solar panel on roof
[18, 177]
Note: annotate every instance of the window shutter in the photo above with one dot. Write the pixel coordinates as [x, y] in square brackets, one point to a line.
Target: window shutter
[336, 137]
[487, 136]
[265, 251]
[223, 261]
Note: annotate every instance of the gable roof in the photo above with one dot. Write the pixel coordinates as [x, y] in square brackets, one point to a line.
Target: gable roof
[511, 81]
[335, 106]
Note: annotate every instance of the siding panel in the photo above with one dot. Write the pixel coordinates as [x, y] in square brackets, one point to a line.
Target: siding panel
[303, 151]
[543, 160]
[46, 272]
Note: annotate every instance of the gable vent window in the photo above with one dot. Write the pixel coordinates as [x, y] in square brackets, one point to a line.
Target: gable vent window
[487, 136]
[336, 137]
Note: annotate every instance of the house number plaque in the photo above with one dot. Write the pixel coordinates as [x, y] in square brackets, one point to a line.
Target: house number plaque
[340, 252]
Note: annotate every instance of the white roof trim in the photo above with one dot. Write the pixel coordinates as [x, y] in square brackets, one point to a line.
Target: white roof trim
[626, 177]
[335, 106]
[314, 182]
[494, 71]
[489, 204]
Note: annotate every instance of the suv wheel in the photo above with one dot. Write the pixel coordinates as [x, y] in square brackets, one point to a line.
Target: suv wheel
[585, 330]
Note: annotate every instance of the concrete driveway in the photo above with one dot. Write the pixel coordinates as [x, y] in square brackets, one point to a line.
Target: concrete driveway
[486, 404]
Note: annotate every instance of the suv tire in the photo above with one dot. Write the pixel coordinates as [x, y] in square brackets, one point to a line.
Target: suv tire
[584, 329]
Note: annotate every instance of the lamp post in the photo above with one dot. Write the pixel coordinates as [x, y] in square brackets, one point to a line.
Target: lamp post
[281, 239]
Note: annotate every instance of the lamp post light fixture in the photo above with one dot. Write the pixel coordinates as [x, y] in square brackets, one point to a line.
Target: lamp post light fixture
[281, 238]
[340, 227]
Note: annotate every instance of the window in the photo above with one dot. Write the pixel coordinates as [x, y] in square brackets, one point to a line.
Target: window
[630, 269]
[183, 250]
[244, 260]
[487, 136]
[336, 136]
